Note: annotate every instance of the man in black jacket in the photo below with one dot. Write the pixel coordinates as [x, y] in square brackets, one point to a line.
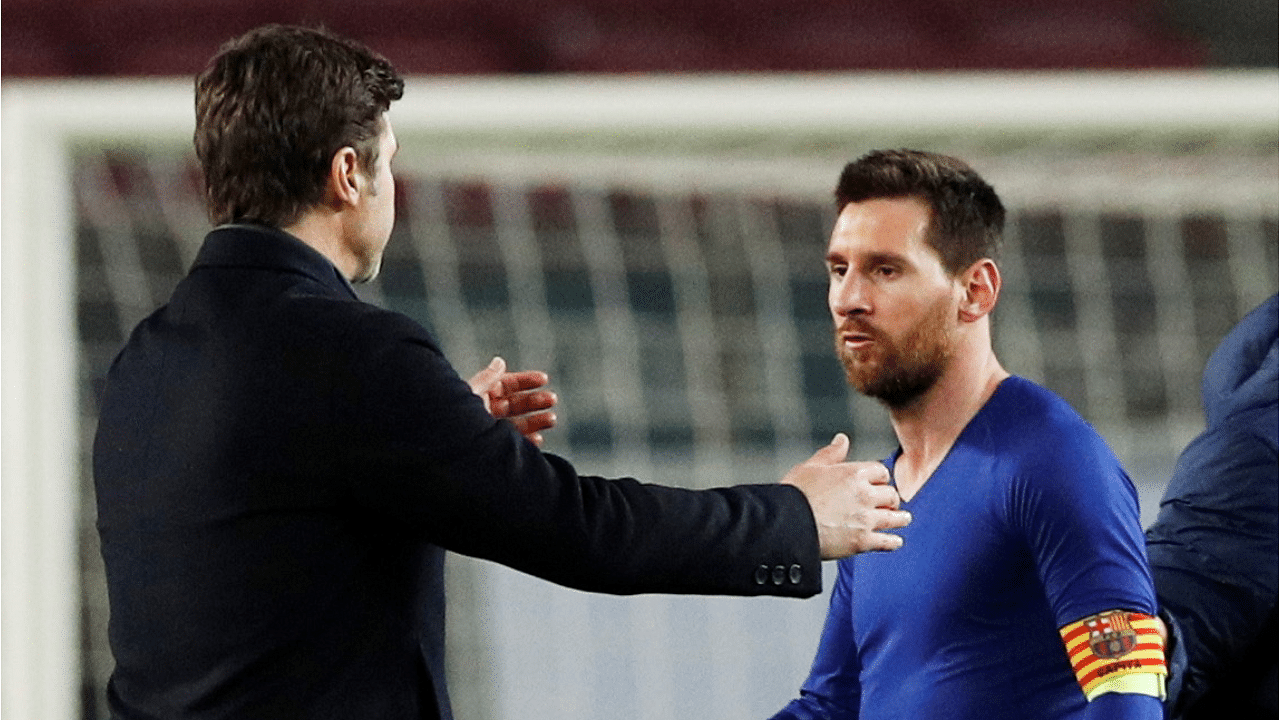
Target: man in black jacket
[279, 466]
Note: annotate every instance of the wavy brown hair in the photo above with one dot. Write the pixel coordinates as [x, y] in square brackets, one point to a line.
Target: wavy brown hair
[273, 107]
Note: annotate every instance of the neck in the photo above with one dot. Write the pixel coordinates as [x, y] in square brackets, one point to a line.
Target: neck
[322, 232]
[928, 426]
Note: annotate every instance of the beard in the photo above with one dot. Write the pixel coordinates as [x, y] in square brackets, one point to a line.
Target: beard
[898, 372]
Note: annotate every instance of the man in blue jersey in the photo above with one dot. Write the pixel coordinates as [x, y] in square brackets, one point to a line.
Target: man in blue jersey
[1022, 589]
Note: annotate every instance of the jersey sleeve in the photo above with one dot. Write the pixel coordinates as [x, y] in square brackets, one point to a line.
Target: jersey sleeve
[832, 690]
[1079, 513]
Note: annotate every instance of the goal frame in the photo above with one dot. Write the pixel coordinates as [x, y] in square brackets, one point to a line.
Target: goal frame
[777, 133]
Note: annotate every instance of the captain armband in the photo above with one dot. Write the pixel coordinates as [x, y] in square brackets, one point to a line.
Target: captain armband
[1116, 651]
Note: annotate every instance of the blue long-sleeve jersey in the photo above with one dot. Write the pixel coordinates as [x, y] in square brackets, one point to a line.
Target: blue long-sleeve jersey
[1028, 525]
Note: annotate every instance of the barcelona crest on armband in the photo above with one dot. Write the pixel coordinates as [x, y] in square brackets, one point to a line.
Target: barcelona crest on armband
[1111, 635]
[1116, 651]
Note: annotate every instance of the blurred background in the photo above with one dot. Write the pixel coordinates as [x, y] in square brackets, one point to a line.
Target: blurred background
[55, 38]
[634, 196]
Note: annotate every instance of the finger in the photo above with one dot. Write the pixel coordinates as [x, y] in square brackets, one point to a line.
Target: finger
[524, 380]
[530, 424]
[883, 496]
[875, 473]
[483, 381]
[882, 542]
[525, 403]
[891, 519]
[496, 367]
[833, 453]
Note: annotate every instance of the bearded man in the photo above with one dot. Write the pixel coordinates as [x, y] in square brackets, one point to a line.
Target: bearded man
[1022, 589]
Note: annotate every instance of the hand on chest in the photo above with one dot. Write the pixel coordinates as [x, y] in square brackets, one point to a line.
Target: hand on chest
[963, 561]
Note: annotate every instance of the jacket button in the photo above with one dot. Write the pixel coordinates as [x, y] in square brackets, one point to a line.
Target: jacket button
[796, 574]
[762, 574]
[779, 574]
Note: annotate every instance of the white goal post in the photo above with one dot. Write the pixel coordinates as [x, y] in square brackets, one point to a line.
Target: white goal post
[1200, 138]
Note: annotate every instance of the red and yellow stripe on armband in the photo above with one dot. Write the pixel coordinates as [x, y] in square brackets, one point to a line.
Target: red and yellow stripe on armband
[1116, 651]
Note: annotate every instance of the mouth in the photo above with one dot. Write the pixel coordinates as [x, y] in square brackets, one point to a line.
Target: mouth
[856, 339]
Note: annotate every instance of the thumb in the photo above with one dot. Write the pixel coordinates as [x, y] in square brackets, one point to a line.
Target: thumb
[483, 380]
[832, 453]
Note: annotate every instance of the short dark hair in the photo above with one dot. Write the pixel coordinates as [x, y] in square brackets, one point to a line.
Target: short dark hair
[273, 107]
[968, 217]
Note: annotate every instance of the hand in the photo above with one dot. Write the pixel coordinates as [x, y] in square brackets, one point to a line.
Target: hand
[516, 396]
[851, 501]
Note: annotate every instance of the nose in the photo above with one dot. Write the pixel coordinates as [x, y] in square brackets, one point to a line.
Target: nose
[848, 296]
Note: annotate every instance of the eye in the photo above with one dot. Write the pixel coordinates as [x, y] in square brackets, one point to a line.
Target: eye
[837, 269]
[886, 271]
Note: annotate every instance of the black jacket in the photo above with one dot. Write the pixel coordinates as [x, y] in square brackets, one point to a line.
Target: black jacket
[1213, 547]
[279, 466]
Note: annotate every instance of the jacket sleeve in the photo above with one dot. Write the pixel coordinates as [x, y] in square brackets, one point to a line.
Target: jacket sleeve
[1213, 554]
[425, 452]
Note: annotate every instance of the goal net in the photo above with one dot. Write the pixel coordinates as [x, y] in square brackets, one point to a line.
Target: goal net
[656, 245]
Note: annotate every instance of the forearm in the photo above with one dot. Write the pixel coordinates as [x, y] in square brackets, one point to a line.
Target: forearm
[622, 536]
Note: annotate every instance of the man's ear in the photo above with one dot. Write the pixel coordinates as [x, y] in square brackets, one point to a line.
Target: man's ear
[344, 176]
[981, 290]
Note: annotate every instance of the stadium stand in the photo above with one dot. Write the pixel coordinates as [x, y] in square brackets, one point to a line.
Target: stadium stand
[156, 37]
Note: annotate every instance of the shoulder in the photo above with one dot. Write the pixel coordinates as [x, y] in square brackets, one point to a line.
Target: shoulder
[1032, 404]
[1037, 426]
[262, 278]
[1049, 454]
[354, 325]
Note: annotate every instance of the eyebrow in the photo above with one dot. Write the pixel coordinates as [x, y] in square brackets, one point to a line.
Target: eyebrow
[878, 258]
[886, 258]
